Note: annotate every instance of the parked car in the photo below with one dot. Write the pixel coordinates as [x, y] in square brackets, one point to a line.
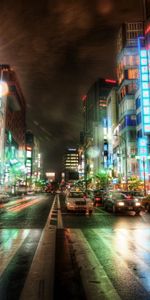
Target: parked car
[117, 201]
[78, 201]
[97, 196]
[146, 203]
[4, 197]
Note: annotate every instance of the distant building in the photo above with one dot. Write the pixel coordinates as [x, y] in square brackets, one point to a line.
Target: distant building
[70, 164]
[95, 126]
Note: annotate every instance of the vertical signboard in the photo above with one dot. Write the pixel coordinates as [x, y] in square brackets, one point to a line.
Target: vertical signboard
[143, 156]
[144, 86]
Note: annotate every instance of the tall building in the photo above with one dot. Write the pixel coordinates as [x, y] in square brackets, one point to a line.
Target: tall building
[95, 126]
[142, 99]
[70, 164]
[128, 83]
[13, 125]
[112, 123]
[29, 153]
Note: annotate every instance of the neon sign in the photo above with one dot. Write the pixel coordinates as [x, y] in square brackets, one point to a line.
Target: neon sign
[110, 81]
[142, 155]
[144, 86]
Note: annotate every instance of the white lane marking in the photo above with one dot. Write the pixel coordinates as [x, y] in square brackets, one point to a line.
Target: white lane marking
[10, 246]
[59, 220]
[51, 212]
[40, 280]
[95, 281]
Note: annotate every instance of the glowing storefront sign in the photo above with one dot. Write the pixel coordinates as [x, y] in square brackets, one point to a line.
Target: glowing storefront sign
[144, 86]
[143, 156]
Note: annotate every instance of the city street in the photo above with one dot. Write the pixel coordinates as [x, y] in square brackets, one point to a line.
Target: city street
[48, 253]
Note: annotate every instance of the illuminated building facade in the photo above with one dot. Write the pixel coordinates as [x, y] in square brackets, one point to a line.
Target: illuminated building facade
[95, 126]
[14, 127]
[29, 153]
[71, 164]
[128, 82]
[143, 105]
[36, 160]
[112, 123]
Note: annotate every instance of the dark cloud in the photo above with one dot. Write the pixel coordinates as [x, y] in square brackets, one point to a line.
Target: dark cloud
[58, 49]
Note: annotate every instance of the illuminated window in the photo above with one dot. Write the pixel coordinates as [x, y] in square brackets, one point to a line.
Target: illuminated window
[144, 77]
[144, 69]
[145, 94]
[130, 60]
[133, 74]
[146, 110]
[147, 119]
[143, 62]
[145, 85]
[146, 102]
[143, 53]
[29, 153]
[130, 104]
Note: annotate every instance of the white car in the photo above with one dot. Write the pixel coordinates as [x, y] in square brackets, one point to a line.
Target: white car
[78, 201]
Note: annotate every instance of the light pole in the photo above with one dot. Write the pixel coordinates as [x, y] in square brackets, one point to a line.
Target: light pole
[126, 158]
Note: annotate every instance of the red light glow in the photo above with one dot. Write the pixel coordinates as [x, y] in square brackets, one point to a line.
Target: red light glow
[23, 206]
[110, 81]
[84, 98]
[147, 30]
[29, 148]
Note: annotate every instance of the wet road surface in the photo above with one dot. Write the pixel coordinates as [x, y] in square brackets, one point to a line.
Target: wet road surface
[48, 253]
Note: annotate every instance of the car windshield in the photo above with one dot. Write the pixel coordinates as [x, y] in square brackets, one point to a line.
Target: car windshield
[134, 193]
[76, 195]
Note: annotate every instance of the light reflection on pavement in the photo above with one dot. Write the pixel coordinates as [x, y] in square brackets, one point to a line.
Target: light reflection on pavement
[10, 241]
[20, 204]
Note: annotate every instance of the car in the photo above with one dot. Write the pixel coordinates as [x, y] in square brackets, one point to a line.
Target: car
[117, 201]
[134, 194]
[4, 197]
[78, 201]
[146, 203]
[97, 196]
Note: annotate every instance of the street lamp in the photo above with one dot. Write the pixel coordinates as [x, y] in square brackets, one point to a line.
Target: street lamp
[126, 162]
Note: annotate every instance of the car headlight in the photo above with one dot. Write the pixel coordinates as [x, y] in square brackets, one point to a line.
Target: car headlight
[137, 204]
[120, 203]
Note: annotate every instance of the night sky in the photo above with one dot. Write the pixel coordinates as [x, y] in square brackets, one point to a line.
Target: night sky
[58, 49]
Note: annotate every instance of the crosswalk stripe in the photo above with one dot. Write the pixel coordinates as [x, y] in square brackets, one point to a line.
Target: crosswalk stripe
[10, 246]
[95, 281]
[127, 256]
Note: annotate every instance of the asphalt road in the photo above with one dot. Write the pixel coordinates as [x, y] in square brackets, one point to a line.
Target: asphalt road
[48, 253]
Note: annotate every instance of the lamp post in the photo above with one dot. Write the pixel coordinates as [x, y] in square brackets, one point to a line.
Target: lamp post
[126, 162]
